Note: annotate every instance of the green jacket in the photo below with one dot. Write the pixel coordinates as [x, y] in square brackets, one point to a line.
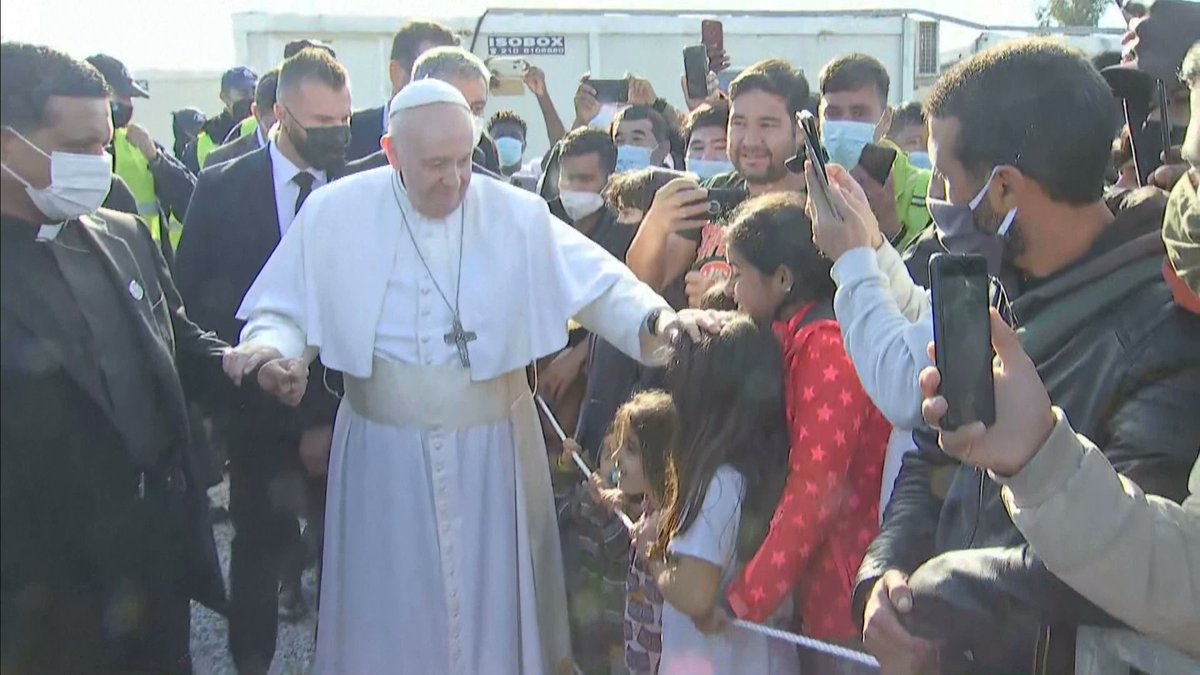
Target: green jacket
[911, 185]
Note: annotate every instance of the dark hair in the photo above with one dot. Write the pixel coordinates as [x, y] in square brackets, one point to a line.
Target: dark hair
[636, 189]
[638, 113]
[408, 39]
[907, 115]
[309, 65]
[1036, 105]
[1106, 59]
[706, 115]
[649, 425]
[296, 46]
[33, 74]
[728, 389]
[584, 141]
[267, 90]
[719, 298]
[853, 72]
[771, 231]
[508, 117]
[774, 76]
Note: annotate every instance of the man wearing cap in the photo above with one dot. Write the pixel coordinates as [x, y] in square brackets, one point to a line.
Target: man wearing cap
[442, 552]
[161, 184]
[237, 93]
[263, 111]
[186, 124]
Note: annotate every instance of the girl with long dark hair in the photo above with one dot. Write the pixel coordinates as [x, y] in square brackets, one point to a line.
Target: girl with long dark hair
[722, 483]
[829, 511]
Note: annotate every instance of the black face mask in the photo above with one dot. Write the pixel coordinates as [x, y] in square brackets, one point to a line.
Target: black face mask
[240, 110]
[122, 114]
[324, 148]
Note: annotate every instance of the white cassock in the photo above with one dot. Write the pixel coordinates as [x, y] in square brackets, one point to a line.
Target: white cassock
[441, 545]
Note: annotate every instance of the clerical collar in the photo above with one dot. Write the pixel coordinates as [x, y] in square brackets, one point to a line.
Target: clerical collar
[49, 232]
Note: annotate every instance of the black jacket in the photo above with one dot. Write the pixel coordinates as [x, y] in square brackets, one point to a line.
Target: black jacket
[71, 514]
[366, 128]
[231, 230]
[243, 145]
[1125, 367]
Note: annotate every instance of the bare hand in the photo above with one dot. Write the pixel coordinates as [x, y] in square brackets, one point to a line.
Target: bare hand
[285, 379]
[718, 60]
[714, 91]
[535, 79]
[680, 204]
[897, 650]
[882, 198]
[587, 106]
[853, 225]
[716, 621]
[242, 360]
[696, 285]
[1173, 168]
[140, 139]
[645, 533]
[314, 450]
[608, 497]
[569, 449]
[641, 92]
[1024, 419]
[695, 322]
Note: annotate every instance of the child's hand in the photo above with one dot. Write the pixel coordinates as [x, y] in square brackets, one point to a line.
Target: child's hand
[715, 622]
[608, 497]
[645, 533]
[569, 447]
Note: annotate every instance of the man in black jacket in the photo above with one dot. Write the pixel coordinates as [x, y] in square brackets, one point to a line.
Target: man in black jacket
[106, 535]
[1028, 126]
[410, 42]
[240, 211]
[263, 110]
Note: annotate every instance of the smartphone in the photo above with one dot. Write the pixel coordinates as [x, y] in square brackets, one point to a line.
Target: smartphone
[695, 71]
[877, 161]
[722, 202]
[712, 34]
[962, 335]
[816, 152]
[611, 91]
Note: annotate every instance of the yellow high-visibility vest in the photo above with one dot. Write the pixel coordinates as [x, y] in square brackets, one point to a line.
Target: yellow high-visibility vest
[131, 165]
[205, 144]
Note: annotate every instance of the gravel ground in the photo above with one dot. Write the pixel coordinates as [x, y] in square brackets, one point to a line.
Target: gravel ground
[210, 632]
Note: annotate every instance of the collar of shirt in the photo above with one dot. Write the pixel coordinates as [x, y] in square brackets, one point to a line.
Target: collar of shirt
[385, 117]
[284, 170]
[258, 132]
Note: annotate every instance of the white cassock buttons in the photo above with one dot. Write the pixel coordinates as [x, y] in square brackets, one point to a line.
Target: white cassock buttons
[135, 290]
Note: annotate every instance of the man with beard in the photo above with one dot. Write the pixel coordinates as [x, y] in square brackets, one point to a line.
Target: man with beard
[950, 580]
[240, 211]
[676, 235]
[161, 185]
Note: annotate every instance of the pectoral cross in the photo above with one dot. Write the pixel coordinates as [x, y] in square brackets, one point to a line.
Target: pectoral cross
[460, 338]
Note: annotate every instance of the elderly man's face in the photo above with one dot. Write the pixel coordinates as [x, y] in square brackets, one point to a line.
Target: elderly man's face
[431, 147]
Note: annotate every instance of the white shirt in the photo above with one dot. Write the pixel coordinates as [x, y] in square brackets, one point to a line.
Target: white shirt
[286, 189]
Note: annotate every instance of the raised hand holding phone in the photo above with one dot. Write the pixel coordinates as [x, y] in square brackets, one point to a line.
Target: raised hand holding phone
[841, 216]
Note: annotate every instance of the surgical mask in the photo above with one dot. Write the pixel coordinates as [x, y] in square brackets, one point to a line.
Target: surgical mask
[580, 205]
[480, 125]
[844, 140]
[510, 151]
[122, 114]
[324, 148]
[78, 183]
[959, 232]
[632, 158]
[604, 119]
[707, 168]
[920, 160]
[240, 109]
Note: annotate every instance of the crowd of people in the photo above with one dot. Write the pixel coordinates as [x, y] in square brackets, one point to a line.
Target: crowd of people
[397, 335]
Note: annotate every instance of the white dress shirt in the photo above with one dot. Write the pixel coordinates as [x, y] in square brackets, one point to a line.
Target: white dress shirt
[286, 189]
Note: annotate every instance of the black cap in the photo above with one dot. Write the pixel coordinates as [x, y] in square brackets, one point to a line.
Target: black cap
[118, 76]
[188, 119]
[239, 78]
[296, 46]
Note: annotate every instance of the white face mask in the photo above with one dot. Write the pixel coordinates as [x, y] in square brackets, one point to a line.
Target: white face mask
[579, 205]
[78, 183]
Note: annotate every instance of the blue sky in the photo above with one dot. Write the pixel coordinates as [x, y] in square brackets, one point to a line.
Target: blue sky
[197, 34]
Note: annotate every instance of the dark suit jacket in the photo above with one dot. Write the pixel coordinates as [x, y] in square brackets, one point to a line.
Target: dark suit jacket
[244, 145]
[230, 231]
[366, 128]
[378, 159]
[71, 515]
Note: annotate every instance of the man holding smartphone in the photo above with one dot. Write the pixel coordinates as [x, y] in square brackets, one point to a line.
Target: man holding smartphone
[855, 118]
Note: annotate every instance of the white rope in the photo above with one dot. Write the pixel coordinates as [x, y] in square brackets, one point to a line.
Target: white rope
[583, 467]
[809, 643]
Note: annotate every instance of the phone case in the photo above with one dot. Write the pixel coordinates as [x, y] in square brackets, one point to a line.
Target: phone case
[712, 34]
[695, 70]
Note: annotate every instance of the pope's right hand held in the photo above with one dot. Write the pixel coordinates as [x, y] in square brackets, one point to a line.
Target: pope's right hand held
[285, 379]
[240, 361]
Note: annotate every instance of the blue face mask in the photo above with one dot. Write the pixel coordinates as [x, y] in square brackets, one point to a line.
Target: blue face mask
[632, 158]
[960, 233]
[707, 168]
[844, 141]
[920, 160]
[510, 151]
